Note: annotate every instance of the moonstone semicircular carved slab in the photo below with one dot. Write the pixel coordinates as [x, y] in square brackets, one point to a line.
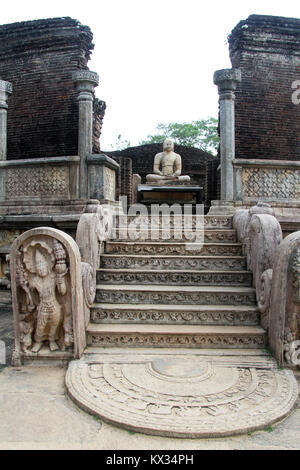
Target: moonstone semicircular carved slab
[188, 397]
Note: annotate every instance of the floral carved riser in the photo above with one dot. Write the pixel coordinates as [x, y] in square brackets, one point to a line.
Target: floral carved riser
[184, 264]
[176, 279]
[210, 237]
[172, 250]
[144, 222]
[207, 341]
[171, 317]
[176, 298]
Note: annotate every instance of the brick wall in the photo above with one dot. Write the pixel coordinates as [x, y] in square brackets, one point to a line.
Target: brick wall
[38, 58]
[267, 50]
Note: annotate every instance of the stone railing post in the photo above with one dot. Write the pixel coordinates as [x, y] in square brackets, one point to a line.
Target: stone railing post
[227, 80]
[5, 90]
[85, 82]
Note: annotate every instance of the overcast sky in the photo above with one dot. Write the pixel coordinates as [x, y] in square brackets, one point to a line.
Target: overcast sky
[155, 58]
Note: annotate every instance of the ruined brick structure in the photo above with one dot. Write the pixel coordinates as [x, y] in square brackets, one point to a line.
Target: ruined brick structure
[212, 181]
[99, 108]
[124, 178]
[38, 58]
[267, 51]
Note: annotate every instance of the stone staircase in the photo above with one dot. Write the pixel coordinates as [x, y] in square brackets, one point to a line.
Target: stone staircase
[161, 294]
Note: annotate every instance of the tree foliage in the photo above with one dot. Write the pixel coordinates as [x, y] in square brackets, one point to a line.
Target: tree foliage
[201, 134]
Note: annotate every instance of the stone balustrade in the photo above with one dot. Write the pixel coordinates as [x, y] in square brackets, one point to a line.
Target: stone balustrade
[275, 264]
[267, 180]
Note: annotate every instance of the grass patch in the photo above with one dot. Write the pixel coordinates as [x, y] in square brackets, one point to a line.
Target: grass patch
[269, 429]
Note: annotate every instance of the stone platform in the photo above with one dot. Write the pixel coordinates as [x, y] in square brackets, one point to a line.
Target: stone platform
[190, 394]
[169, 193]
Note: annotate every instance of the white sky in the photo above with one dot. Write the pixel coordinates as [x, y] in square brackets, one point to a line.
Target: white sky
[155, 58]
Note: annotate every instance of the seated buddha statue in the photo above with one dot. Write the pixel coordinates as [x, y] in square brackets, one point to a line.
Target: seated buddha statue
[167, 166]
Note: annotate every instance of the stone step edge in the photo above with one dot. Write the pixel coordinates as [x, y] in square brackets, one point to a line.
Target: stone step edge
[184, 257]
[258, 357]
[161, 242]
[97, 328]
[197, 289]
[180, 308]
[173, 271]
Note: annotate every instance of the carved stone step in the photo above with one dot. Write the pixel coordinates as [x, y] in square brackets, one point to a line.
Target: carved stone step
[209, 236]
[179, 336]
[175, 314]
[175, 295]
[167, 248]
[210, 221]
[186, 263]
[175, 278]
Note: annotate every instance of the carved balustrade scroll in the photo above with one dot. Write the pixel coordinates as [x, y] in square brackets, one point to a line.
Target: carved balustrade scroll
[47, 295]
[285, 302]
[260, 233]
[94, 228]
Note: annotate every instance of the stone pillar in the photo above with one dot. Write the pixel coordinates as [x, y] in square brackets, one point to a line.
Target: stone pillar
[227, 81]
[85, 82]
[5, 90]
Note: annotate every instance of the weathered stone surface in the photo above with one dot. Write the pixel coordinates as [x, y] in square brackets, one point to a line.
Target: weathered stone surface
[5, 91]
[145, 221]
[284, 334]
[102, 177]
[38, 58]
[35, 411]
[176, 314]
[210, 236]
[185, 295]
[176, 249]
[173, 262]
[47, 293]
[265, 180]
[165, 336]
[174, 277]
[227, 81]
[260, 233]
[171, 396]
[267, 50]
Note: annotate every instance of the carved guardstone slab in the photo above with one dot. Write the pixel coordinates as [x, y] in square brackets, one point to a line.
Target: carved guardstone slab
[47, 296]
[182, 396]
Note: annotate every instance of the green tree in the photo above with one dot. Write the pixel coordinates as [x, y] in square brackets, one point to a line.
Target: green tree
[201, 134]
[120, 143]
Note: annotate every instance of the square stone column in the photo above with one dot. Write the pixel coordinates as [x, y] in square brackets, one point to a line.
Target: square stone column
[102, 178]
[85, 82]
[5, 91]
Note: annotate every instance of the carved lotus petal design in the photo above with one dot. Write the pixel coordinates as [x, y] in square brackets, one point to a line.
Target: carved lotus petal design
[182, 396]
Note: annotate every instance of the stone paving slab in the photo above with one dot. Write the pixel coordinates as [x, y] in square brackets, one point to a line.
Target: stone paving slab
[33, 419]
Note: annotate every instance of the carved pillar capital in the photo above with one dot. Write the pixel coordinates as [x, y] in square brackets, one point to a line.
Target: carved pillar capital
[85, 82]
[227, 80]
